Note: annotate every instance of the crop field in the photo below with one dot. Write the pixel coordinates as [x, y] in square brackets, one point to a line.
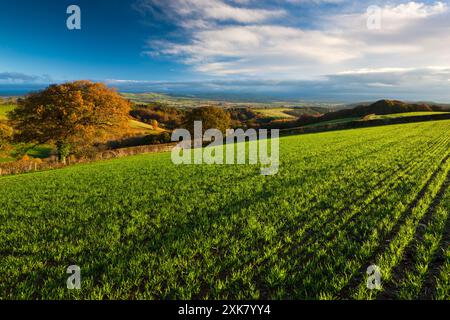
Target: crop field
[332, 122]
[144, 128]
[275, 113]
[4, 109]
[143, 228]
[407, 114]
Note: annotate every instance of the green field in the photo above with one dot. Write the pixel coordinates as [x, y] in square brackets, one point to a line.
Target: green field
[275, 113]
[407, 114]
[143, 228]
[4, 109]
[375, 117]
[333, 122]
[144, 128]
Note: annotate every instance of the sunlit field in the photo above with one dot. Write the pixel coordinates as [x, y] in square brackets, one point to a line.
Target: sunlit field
[143, 228]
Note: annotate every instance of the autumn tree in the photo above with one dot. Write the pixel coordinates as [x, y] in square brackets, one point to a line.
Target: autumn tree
[6, 133]
[70, 115]
[155, 124]
[211, 118]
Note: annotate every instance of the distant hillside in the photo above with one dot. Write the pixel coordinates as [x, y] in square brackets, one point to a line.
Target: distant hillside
[381, 107]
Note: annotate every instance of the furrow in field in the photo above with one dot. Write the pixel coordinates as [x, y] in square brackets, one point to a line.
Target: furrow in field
[408, 276]
[436, 283]
[264, 194]
[239, 205]
[305, 246]
[369, 196]
[245, 203]
[395, 224]
[390, 254]
[343, 248]
[313, 265]
[442, 280]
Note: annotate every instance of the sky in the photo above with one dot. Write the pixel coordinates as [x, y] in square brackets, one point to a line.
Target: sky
[338, 50]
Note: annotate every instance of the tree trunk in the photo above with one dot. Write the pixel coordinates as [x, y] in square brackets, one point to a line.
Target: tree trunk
[61, 158]
[63, 151]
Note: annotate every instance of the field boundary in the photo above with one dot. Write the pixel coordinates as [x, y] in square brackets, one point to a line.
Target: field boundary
[21, 166]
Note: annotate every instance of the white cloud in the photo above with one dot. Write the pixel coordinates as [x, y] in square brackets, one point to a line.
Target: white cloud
[20, 78]
[413, 10]
[430, 83]
[412, 35]
[208, 10]
[260, 50]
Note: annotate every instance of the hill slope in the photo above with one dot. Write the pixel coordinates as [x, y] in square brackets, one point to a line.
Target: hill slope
[381, 107]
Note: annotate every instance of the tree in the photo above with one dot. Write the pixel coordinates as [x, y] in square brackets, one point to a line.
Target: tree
[211, 117]
[155, 124]
[70, 115]
[6, 133]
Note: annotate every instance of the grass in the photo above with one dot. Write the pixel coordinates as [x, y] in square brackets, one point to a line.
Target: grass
[375, 117]
[275, 113]
[407, 114]
[140, 125]
[143, 228]
[4, 109]
[331, 122]
[41, 151]
[144, 128]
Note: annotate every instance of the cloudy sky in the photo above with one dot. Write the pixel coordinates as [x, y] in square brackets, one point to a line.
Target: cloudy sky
[342, 50]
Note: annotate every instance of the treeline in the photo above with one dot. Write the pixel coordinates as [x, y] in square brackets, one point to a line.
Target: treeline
[8, 100]
[171, 118]
[167, 116]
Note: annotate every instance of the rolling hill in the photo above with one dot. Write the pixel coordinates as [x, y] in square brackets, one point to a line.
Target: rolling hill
[378, 109]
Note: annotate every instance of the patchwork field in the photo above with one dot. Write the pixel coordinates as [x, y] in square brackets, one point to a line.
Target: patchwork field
[141, 227]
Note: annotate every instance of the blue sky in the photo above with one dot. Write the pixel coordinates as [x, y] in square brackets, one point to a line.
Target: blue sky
[311, 49]
[35, 41]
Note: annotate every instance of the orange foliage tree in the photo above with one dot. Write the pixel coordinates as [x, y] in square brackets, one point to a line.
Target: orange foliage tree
[155, 124]
[211, 117]
[70, 115]
[5, 135]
